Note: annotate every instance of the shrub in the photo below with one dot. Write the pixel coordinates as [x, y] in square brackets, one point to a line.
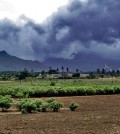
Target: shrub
[55, 105]
[51, 92]
[44, 106]
[19, 95]
[100, 91]
[73, 106]
[26, 95]
[38, 104]
[49, 100]
[52, 84]
[109, 91]
[19, 104]
[90, 92]
[5, 102]
[81, 91]
[27, 106]
[117, 90]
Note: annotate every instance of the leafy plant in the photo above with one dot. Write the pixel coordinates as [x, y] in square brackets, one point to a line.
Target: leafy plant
[38, 104]
[49, 100]
[55, 106]
[27, 106]
[44, 106]
[73, 106]
[52, 84]
[64, 87]
[5, 102]
[19, 95]
[20, 104]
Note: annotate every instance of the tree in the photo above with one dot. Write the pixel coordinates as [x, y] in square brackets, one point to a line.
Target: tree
[62, 68]
[52, 71]
[112, 73]
[91, 75]
[31, 73]
[21, 77]
[23, 74]
[118, 72]
[43, 73]
[76, 75]
[103, 71]
[98, 70]
[57, 69]
[67, 69]
[77, 70]
[50, 68]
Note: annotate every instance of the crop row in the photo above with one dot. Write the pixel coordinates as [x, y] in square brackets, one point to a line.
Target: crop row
[38, 91]
[29, 106]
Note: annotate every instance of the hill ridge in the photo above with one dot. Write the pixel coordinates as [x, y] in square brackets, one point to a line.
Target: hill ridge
[13, 63]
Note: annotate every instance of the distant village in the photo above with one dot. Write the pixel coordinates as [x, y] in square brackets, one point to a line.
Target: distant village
[63, 73]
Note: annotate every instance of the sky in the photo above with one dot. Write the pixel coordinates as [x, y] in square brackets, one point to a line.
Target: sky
[37, 10]
[63, 29]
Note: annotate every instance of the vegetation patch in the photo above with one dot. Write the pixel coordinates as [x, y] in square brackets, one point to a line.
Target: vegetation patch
[73, 106]
[62, 87]
[29, 106]
[5, 102]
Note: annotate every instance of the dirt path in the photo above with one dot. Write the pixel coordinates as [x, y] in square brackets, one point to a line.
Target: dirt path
[95, 115]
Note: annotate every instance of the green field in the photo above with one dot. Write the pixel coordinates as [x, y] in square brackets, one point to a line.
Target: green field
[60, 87]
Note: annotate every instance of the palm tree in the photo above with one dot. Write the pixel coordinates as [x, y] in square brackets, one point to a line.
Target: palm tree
[118, 72]
[50, 68]
[77, 70]
[62, 68]
[67, 69]
[98, 70]
[57, 69]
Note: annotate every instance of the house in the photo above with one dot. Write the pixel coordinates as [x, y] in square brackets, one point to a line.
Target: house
[84, 75]
[39, 76]
[59, 75]
[56, 75]
[67, 74]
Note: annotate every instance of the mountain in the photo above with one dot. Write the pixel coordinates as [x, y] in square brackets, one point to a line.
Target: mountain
[83, 62]
[12, 63]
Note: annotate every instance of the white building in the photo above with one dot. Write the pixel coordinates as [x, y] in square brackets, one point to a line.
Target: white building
[54, 75]
[84, 75]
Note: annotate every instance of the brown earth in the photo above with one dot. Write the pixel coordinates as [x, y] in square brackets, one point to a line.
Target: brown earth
[95, 115]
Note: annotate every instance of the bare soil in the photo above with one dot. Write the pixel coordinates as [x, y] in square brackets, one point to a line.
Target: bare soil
[95, 115]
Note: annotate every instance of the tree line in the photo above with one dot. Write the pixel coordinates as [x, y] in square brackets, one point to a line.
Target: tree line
[6, 75]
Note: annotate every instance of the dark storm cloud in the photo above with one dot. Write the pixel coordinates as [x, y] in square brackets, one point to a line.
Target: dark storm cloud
[90, 27]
